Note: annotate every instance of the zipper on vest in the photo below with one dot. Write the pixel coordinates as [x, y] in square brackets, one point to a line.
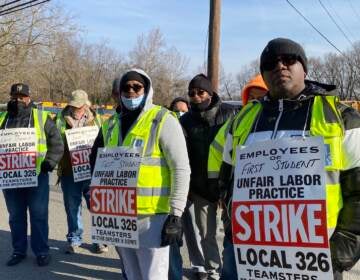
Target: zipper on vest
[281, 108]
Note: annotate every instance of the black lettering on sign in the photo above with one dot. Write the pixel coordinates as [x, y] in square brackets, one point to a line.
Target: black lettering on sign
[266, 258]
[312, 262]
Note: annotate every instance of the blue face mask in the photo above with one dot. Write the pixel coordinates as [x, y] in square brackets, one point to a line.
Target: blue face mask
[132, 103]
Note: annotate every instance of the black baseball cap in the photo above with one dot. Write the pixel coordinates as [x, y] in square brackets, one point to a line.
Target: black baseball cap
[20, 88]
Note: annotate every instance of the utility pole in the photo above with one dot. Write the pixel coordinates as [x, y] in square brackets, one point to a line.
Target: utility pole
[214, 43]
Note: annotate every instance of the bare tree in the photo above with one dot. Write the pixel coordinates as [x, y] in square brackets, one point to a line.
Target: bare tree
[337, 70]
[247, 72]
[165, 65]
[44, 48]
[229, 88]
[24, 38]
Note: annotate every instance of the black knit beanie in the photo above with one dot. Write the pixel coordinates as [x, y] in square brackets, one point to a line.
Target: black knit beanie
[202, 82]
[281, 46]
[133, 76]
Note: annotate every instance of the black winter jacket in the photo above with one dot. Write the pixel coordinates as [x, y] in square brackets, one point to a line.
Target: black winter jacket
[345, 241]
[55, 146]
[200, 129]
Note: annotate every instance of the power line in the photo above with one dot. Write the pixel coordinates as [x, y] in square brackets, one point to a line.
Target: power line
[7, 4]
[317, 30]
[23, 8]
[322, 35]
[13, 8]
[354, 10]
[334, 21]
[341, 20]
[26, 4]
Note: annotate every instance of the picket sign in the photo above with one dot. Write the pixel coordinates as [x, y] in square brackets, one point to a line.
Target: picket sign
[279, 210]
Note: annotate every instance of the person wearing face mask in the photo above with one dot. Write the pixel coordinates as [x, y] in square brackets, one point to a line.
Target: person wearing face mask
[76, 114]
[161, 196]
[206, 116]
[23, 113]
[179, 106]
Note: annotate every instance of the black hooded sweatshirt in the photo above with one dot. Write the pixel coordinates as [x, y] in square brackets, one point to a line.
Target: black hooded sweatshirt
[200, 128]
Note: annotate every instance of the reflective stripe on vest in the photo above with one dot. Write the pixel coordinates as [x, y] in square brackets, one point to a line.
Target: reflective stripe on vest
[154, 180]
[216, 150]
[40, 117]
[325, 122]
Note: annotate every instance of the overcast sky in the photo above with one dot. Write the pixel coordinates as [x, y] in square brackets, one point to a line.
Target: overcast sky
[246, 27]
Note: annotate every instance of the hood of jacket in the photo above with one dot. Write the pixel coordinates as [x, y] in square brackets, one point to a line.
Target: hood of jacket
[256, 82]
[317, 88]
[312, 88]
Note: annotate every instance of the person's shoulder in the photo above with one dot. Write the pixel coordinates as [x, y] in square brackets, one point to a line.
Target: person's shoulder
[350, 116]
[231, 104]
[230, 107]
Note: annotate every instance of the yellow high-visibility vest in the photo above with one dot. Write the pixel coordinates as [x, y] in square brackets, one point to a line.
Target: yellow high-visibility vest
[216, 150]
[154, 179]
[40, 117]
[332, 132]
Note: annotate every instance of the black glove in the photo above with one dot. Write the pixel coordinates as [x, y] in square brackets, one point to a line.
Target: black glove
[46, 167]
[172, 231]
[345, 250]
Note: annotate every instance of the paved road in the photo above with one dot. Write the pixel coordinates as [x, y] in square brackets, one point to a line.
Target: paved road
[84, 265]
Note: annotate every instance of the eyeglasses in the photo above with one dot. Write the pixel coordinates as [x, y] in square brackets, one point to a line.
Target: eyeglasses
[136, 88]
[286, 59]
[199, 92]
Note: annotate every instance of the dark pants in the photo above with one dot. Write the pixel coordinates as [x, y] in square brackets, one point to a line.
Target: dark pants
[37, 201]
[175, 263]
[72, 194]
[228, 271]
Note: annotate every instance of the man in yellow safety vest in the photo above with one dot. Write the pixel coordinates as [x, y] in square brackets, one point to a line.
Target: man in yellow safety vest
[293, 108]
[22, 113]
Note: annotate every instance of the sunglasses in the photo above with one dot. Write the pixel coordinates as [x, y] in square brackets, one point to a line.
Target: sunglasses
[198, 92]
[286, 59]
[136, 88]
